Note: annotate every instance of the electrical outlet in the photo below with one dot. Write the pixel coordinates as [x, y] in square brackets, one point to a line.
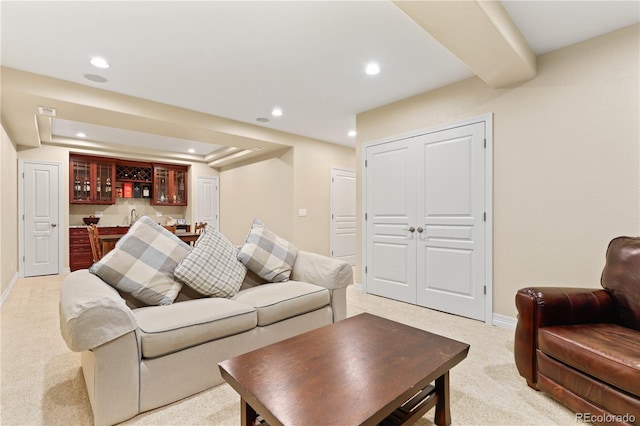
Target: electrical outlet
[98, 213]
[302, 212]
[159, 214]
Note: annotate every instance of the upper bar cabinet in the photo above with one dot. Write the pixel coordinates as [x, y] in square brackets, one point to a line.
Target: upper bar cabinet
[170, 183]
[91, 180]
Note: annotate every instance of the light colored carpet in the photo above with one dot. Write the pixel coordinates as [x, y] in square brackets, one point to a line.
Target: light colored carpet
[42, 384]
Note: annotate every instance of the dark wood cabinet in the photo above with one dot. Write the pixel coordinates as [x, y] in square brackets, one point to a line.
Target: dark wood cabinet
[91, 180]
[80, 256]
[169, 185]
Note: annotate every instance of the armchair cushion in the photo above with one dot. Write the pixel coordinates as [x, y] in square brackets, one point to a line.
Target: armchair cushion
[608, 352]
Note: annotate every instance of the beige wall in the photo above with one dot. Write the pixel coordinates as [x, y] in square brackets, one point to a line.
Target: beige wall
[275, 188]
[263, 190]
[8, 212]
[312, 191]
[566, 159]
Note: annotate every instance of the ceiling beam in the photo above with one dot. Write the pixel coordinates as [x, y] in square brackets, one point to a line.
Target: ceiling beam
[481, 34]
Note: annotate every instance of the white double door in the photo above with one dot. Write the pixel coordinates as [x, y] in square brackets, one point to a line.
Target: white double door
[425, 220]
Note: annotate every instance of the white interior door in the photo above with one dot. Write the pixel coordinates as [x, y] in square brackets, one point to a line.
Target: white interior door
[208, 200]
[451, 209]
[390, 212]
[343, 215]
[41, 219]
[425, 228]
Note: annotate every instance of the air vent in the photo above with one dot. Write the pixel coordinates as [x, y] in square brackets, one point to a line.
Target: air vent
[51, 112]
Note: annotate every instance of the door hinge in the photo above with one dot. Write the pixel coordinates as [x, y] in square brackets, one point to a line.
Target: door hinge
[331, 252]
[365, 216]
[485, 142]
[332, 216]
[365, 269]
[485, 289]
[23, 259]
[484, 216]
[366, 164]
[333, 180]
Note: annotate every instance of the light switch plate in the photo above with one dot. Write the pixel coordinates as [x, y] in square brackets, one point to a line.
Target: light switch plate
[98, 213]
[302, 212]
[159, 214]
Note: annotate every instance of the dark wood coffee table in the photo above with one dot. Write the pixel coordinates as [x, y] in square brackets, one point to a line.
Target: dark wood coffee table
[364, 370]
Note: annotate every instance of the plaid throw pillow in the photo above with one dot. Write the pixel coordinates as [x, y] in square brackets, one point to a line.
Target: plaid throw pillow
[212, 267]
[271, 257]
[142, 263]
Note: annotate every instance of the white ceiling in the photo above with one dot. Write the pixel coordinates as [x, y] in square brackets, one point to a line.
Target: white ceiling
[238, 60]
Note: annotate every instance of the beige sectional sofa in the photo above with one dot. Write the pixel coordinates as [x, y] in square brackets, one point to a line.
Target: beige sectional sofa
[136, 359]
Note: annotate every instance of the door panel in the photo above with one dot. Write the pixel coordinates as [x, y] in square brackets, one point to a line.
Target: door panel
[451, 209]
[391, 210]
[41, 211]
[343, 215]
[207, 201]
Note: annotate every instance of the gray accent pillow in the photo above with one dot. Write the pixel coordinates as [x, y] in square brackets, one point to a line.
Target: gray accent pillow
[271, 257]
[142, 263]
[212, 267]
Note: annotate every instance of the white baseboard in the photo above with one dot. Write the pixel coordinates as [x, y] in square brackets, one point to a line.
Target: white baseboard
[5, 293]
[504, 321]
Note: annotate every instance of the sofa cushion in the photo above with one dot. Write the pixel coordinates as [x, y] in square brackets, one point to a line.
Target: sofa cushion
[212, 267]
[167, 329]
[142, 263]
[608, 352]
[621, 277]
[280, 301]
[271, 257]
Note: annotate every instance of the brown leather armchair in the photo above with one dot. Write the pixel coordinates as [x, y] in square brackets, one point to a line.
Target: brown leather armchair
[582, 346]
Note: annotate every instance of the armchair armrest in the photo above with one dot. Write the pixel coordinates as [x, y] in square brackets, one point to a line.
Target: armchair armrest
[546, 306]
[92, 312]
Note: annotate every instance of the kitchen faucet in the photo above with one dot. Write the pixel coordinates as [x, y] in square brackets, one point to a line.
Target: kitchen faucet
[134, 216]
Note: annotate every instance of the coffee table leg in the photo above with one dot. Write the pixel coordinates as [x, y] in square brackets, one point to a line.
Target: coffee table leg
[443, 406]
[248, 415]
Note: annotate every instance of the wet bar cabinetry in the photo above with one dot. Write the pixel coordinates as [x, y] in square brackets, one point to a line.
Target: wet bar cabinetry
[134, 179]
[169, 185]
[80, 256]
[99, 180]
[91, 180]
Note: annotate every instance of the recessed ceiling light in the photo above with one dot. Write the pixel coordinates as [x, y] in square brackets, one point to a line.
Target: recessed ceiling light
[262, 119]
[81, 135]
[372, 68]
[99, 62]
[96, 78]
[192, 151]
[352, 133]
[277, 112]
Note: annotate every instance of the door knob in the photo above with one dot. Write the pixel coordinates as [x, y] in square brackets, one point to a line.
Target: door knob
[53, 225]
[420, 230]
[410, 229]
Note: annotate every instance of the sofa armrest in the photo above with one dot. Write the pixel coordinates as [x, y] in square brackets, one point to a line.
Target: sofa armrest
[321, 270]
[92, 312]
[546, 306]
